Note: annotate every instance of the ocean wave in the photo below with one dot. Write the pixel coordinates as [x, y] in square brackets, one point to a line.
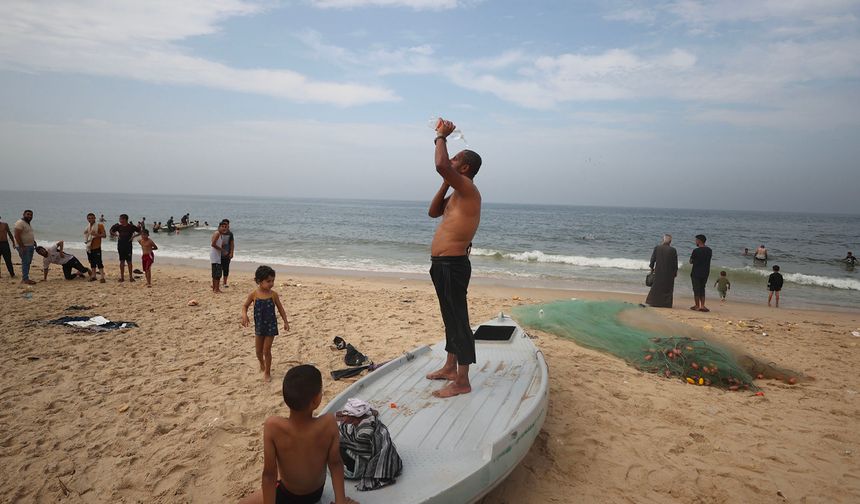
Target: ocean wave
[352, 264]
[541, 257]
[804, 279]
[836, 283]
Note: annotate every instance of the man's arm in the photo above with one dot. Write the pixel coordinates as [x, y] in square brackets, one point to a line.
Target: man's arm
[270, 462]
[11, 237]
[154, 246]
[18, 236]
[335, 464]
[215, 236]
[437, 205]
[232, 245]
[653, 259]
[60, 248]
[101, 231]
[460, 183]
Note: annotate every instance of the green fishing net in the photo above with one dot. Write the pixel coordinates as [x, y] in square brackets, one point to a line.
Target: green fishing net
[644, 340]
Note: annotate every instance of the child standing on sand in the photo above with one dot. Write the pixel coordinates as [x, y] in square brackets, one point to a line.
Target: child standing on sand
[723, 285]
[265, 322]
[147, 256]
[296, 450]
[774, 284]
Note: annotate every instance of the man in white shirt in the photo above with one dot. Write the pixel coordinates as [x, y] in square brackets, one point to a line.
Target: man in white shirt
[26, 243]
[55, 255]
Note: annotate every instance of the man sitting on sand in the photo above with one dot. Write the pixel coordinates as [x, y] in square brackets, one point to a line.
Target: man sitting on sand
[298, 449]
[55, 255]
[451, 269]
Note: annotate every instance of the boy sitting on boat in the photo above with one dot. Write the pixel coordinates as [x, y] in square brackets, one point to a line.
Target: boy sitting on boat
[296, 450]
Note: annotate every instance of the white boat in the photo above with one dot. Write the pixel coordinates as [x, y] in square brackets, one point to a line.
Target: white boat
[456, 450]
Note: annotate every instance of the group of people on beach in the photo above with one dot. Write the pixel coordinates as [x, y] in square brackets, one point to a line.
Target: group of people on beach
[24, 241]
[22, 238]
[664, 269]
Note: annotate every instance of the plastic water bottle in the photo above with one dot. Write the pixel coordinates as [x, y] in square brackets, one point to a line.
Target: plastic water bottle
[433, 123]
[540, 313]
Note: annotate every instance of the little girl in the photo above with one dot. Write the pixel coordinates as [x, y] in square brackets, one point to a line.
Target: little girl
[265, 322]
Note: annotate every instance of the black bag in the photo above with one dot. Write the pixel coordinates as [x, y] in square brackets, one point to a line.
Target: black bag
[649, 279]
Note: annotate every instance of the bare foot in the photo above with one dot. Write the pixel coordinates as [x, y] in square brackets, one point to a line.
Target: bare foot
[443, 374]
[102, 280]
[122, 280]
[131, 279]
[217, 292]
[451, 390]
[149, 285]
[267, 377]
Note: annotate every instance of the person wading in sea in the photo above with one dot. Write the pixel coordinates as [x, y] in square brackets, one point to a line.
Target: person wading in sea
[450, 268]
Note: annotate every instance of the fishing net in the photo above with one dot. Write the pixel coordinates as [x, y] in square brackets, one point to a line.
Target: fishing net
[647, 342]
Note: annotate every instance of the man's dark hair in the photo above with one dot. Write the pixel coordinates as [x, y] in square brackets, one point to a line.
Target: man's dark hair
[775, 267]
[91, 214]
[123, 216]
[225, 221]
[43, 249]
[25, 211]
[262, 273]
[144, 231]
[701, 238]
[301, 384]
[472, 159]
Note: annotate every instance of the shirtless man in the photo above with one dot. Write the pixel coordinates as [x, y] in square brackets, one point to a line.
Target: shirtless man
[6, 251]
[451, 269]
[297, 450]
[761, 254]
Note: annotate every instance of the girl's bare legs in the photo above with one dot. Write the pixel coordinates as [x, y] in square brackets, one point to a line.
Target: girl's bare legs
[267, 354]
[258, 343]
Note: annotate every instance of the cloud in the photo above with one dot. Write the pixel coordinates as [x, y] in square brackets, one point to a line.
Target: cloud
[417, 59]
[546, 81]
[413, 4]
[785, 17]
[138, 40]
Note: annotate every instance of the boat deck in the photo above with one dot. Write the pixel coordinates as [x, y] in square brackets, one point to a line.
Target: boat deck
[443, 442]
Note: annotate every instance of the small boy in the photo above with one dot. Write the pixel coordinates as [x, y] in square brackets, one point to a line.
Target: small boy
[147, 256]
[774, 285]
[723, 285]
[298, 449]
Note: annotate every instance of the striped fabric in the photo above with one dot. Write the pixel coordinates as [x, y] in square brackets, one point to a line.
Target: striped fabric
[368, 453]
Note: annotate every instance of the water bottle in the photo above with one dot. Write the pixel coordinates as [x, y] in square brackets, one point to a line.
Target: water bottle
[433, 123]
[540, 313]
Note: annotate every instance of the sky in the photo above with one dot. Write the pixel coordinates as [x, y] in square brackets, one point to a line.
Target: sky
[724, 104]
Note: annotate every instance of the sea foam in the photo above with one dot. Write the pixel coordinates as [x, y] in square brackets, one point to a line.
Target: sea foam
[541, 257]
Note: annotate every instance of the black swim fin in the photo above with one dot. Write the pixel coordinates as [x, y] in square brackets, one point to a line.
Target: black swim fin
[337, 374]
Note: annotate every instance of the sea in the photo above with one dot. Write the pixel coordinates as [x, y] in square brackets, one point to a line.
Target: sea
[546, 246]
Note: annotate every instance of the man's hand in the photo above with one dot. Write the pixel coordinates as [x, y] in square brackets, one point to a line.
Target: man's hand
[445, 128]
[286, 326]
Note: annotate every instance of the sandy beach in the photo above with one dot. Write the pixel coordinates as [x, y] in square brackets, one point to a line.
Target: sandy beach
[171, 412]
